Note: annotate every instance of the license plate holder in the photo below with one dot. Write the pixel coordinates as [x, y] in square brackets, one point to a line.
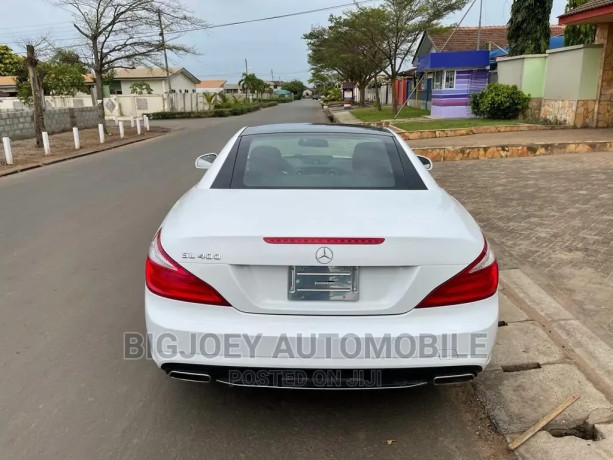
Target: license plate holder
[323, 284]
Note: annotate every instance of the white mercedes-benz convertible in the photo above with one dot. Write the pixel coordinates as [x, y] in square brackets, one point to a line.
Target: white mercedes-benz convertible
[320, 256]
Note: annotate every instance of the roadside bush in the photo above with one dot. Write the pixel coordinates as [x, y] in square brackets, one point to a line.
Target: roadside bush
[236, 109]
[175, 115]
[333, 94]
[499, 102]
[222, 112]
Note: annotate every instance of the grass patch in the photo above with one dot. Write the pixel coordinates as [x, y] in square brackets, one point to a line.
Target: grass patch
[454, 124]
[372, 114]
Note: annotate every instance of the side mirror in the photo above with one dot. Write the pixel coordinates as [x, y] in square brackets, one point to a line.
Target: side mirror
[205, 161]
[426, 162]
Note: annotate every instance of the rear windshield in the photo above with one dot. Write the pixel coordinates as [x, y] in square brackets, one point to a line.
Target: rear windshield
[321, 161]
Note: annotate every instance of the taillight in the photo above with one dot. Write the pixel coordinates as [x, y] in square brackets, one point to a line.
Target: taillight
[476, 282]
[167, 278]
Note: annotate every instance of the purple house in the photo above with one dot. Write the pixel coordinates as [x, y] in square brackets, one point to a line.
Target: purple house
[454, 77]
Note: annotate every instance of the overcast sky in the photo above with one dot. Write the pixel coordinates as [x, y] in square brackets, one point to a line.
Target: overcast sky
[272, 45]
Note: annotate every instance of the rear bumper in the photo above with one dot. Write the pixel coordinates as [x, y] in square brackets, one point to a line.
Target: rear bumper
[217, 339]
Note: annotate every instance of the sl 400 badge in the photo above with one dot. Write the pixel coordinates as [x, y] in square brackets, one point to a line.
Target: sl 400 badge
[190, 256]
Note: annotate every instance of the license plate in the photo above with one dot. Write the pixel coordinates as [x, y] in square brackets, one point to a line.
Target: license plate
[323, 283]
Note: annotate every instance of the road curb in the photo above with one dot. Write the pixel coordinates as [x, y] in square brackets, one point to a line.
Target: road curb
[590, 353]
[50, 160]
[490, 152]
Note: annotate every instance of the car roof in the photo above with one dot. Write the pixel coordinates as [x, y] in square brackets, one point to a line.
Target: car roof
[318, 128]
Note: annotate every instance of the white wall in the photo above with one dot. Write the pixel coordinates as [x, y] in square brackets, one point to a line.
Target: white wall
[159, 86]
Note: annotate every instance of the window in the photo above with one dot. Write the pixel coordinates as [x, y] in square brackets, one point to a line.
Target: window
[438, 79]
[321, 161]
[450, 79]
[444, 79]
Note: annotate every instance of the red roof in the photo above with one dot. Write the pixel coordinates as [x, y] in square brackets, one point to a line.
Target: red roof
[465, 38]
[591, 5]
[591, 12]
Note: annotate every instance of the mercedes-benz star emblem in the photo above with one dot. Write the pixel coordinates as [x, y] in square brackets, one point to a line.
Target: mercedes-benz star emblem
[324, 255]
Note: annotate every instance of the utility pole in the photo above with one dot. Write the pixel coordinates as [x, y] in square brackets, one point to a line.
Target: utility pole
[246, 67]
[272, 76]
[479, 30]
[39, 117]
[170, 98]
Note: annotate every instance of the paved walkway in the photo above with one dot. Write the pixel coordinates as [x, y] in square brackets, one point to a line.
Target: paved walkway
[553, 214]
[346, 117]
[573, 136]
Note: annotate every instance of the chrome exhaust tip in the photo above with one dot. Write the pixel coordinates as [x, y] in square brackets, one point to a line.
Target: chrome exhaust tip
[451, 379]
[189, 376]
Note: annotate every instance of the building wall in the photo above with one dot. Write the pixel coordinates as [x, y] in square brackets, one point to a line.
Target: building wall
[19, 124]
[534, 75]
[178, 81]
[572, 73]
[604, 107]
[455, 103]
[511, 71]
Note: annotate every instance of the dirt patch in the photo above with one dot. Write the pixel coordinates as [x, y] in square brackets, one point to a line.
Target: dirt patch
[26, 154]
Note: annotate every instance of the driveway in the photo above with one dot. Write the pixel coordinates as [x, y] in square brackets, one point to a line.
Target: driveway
[73, 239]
[553, 214]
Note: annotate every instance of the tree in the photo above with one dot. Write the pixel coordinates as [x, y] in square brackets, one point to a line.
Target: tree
[322, 80]
[529, 31]
[64, 80]
[296, 87]
[396, 27]
[66, 56]
[210, 99]
[10, 63]
[343, 49]
[37, 94]
[248, 83]
[140, 87]
[578, 35]
[126, 33]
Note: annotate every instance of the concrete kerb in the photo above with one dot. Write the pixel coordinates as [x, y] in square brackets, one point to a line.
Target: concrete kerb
[486, 152]
[590, 353]
[533, 369]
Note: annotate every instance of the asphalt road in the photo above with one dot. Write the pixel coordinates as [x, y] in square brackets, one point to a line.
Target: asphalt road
[73, 239]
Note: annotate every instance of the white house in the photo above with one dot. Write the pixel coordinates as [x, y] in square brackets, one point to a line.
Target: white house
[181, 80]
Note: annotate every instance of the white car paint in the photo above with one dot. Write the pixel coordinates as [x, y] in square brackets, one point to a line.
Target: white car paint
[429, 238]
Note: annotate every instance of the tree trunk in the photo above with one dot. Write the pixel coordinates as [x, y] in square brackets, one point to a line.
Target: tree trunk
[377, 95]
[100, 98]
[394, 95]
[363, 94]
[39, 117]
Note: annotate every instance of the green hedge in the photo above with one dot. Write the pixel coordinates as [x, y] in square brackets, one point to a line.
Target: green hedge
[499, 102]
[238, 109]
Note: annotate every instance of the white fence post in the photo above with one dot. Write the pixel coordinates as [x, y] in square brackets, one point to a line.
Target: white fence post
[101, 132]
[138, 126]
[131, 121]
[146, 122]
[116, 121]
[121, 131]
[77, 141]
[8, 153]
[46, 145]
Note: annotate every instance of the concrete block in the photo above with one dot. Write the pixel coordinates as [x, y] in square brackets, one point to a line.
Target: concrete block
[509, 312]
[517, 400]
[533, 295]
[524, 343]
[589, 347]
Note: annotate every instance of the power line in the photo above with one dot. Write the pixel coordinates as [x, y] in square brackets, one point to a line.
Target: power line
[249, 21]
